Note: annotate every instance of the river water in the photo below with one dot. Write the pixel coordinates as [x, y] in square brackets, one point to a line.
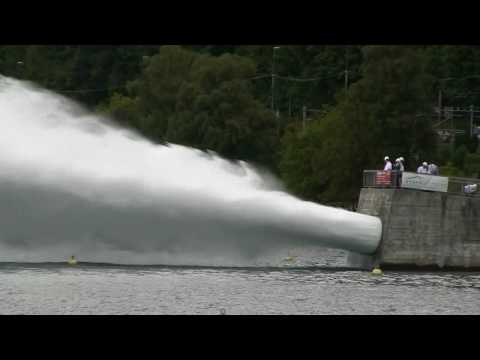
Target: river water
[326, 287]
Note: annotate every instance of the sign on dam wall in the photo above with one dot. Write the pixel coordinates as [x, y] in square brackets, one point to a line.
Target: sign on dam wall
[425, 229]
[424, 182]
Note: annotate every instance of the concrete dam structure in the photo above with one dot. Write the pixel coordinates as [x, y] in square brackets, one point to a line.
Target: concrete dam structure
[430, 229]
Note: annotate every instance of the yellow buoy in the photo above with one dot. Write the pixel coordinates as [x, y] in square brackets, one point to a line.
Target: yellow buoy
[72, 260]
[289, 260]
[377, 271]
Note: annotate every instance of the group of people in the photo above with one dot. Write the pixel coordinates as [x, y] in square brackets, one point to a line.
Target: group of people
[429, 169]
[399, 166]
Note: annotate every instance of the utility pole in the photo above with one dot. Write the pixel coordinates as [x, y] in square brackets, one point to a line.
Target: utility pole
[273, 78]
[346, 69]
[275, 113]
[304, 122]
[290, 105]
[21, 72]
[346, 80]
[273, 83]
[471, 121]
[440, 103]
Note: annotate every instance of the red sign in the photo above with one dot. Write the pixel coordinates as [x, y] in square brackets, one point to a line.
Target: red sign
[383, 178]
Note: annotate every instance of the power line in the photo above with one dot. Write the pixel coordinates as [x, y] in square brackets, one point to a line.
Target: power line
[289, 78]
[463, 96]
[306, 79]
[123, 87]
[260, 77]
[461, 78]
[90, 90]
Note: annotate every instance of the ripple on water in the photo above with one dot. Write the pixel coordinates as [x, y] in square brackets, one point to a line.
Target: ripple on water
[124, 290]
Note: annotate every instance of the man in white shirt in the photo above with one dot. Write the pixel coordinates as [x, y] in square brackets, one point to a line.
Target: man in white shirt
[423, 169]
[388, 164]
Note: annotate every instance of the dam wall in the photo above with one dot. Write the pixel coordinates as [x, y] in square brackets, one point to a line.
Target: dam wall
[424, 228]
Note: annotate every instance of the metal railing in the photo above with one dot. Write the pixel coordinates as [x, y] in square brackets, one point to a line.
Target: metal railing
[381, 179]
[393, 179]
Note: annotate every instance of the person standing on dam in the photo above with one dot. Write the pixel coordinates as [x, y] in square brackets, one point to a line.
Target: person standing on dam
[396, 165]
[388, 164]
[402, 164]
[398, 170]
[433, 169]
[423, 169]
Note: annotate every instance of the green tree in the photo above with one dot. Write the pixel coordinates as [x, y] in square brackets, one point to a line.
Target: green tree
[207, 102]
[123, 109]
[459, 155]
[472, 165]
[90, 74]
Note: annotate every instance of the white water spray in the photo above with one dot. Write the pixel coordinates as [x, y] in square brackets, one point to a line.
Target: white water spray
[74, 183]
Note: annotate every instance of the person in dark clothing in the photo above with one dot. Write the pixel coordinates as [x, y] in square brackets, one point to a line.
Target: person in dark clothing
[402, 164]
[396, 165]
[398, 170]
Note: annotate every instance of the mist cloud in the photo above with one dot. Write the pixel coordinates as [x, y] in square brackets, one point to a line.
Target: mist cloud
[74, 183]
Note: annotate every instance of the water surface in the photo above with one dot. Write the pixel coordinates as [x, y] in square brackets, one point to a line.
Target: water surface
[320, 289]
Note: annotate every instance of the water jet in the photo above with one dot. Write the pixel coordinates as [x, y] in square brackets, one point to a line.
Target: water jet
[74, 182]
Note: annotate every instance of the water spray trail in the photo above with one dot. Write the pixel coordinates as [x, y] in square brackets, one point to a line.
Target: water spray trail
[75, 183]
